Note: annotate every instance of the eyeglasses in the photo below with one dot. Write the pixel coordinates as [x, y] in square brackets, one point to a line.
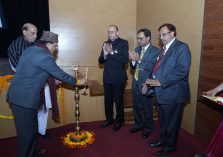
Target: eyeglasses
[164, 34]
[140, 38]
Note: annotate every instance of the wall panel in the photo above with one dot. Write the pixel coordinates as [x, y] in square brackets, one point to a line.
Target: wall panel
[82, 28]
[187, 16]
[211, 72]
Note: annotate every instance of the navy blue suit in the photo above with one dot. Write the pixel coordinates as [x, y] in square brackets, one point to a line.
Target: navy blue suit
[143, 102]
[174, 91]
[35, 66]
[114, 78]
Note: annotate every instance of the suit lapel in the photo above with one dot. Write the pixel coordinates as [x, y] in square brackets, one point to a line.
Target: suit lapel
[147, 52]
[168, 52]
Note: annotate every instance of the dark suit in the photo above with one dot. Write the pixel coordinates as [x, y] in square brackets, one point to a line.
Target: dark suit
[114, 78]
[35, 66]
[142, 102]
[174, 91]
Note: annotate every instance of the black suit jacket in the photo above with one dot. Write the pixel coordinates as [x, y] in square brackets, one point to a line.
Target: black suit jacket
[114, 65]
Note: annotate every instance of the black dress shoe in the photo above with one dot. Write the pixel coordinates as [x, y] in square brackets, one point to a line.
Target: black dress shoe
[134, 130]
[165, 151]
[106, 123]
[117, 126]
[145, 134]
[156, 144]
[47, 135]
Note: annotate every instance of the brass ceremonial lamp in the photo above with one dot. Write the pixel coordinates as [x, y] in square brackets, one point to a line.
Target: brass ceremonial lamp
[79, 138]
[79, 135]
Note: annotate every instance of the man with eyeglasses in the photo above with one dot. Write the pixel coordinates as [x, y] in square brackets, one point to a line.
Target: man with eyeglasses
[170, 81]
[143, 59]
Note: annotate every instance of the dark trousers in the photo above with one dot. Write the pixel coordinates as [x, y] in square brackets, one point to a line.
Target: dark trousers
[27, 130]
[113, 93]
[170, 120]
[143, 110]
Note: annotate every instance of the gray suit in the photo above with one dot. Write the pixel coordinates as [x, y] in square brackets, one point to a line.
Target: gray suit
[141, 102]
[35, 66]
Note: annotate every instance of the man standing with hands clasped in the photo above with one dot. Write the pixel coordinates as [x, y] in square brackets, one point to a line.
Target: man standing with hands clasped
[170, 81]
[114, 55]
[142, 61]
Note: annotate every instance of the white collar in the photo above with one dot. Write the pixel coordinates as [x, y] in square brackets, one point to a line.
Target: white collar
[145, 47]
[168, 45]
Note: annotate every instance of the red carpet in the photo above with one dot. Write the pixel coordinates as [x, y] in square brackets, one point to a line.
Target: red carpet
[108, 143]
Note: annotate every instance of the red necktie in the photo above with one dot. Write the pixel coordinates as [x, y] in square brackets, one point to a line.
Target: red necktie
[157, 64]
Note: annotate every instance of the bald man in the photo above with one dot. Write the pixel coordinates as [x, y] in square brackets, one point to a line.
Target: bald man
[21, 43]
[114, 56]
